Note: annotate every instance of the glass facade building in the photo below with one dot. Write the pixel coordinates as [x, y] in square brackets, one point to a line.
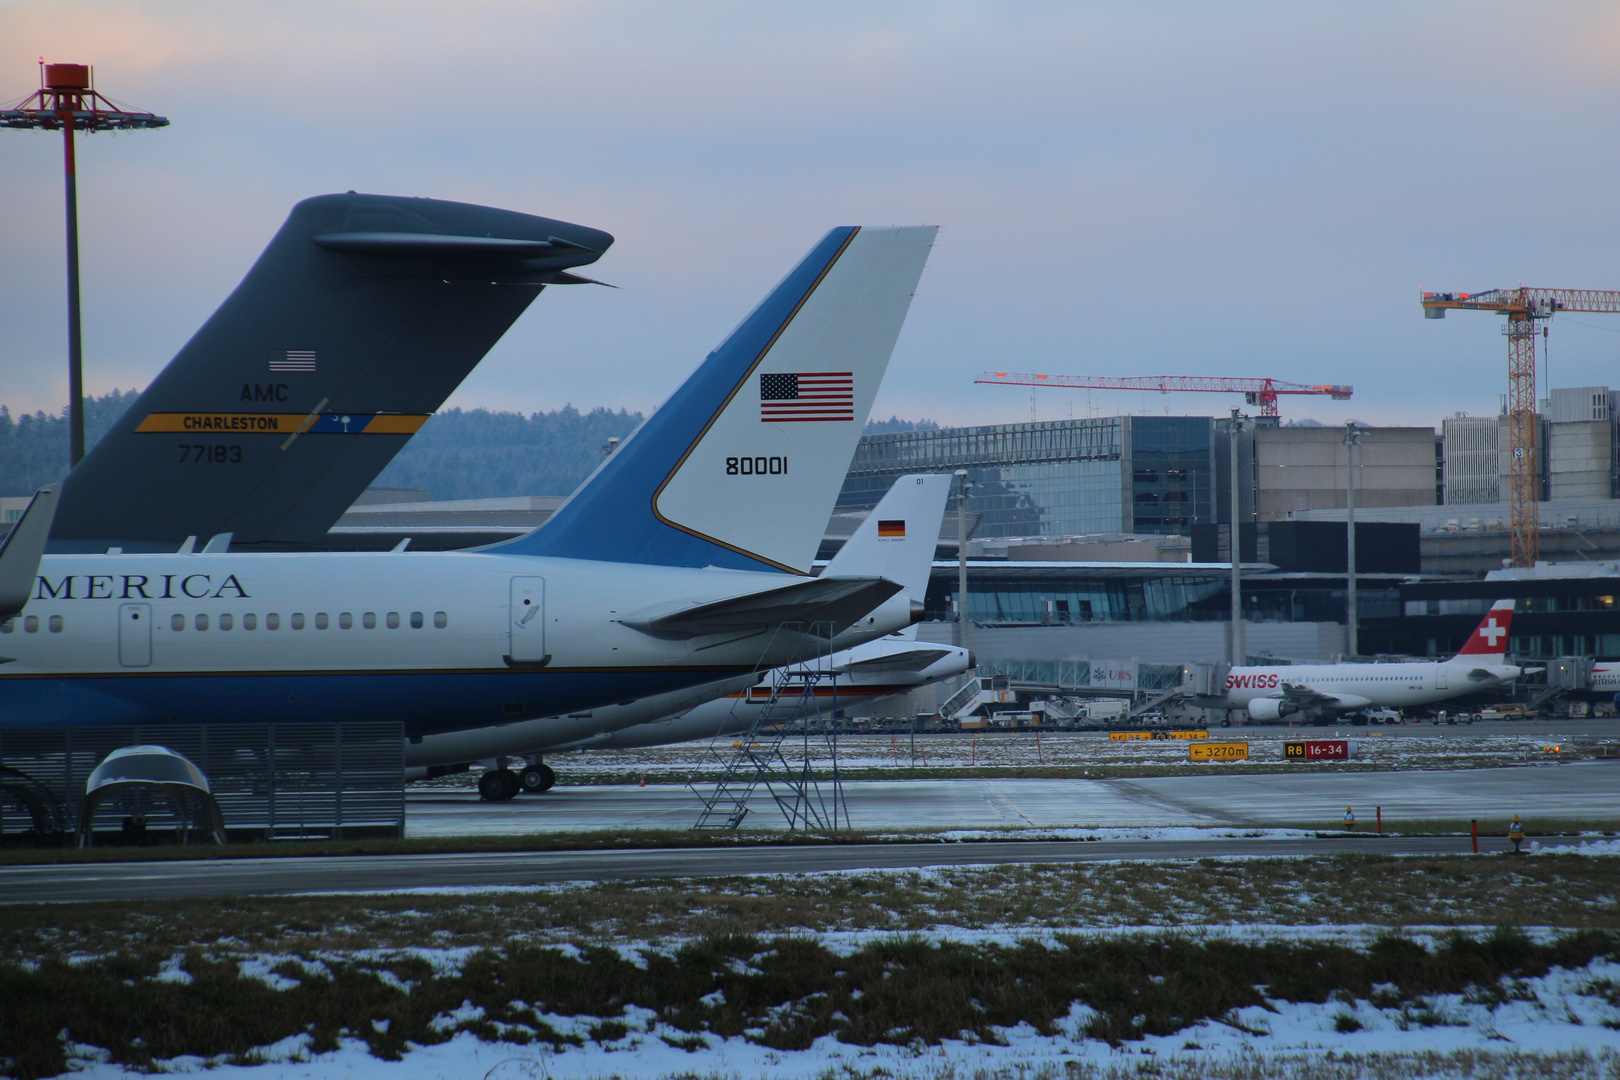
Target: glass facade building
[1147, 474]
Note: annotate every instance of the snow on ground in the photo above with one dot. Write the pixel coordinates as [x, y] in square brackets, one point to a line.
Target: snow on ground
[1410, 747]
[1591, 847]
[1562, 1012]
[1564, 1020]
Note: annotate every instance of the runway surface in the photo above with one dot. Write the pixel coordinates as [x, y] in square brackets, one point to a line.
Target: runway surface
[1583, 790]
[506, 870]
[1577, 790]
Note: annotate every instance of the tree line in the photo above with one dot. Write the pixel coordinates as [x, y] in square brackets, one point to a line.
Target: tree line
[458, 454]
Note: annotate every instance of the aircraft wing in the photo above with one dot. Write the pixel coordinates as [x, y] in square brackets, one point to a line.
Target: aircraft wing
[837, 600]
[910, 660]
[1307, 697]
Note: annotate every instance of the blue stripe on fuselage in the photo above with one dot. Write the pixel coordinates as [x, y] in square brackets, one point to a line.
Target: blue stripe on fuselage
[427, 702]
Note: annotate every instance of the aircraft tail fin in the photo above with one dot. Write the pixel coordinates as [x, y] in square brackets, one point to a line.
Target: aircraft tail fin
[21, 550]
[1488, 643]
[897, 539]
[361, 316]
[741, 466]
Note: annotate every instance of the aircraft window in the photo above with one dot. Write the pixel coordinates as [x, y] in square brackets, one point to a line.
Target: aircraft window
[345, 621]
[8, 626]
[250, 622]
[56, 624]
[393, 620]
[369, 620]
[31, 624]
[272, 621]
[226, 622]
[416, 620]
[441, 620]
[298, 620]
[177, 622]
[321, 621]
[202, 622]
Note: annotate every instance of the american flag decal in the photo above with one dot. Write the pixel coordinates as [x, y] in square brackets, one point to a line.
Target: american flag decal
[807, 395]
[293, 360]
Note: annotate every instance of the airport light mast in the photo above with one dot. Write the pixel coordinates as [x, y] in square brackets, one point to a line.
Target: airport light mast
[1524, 308]
[67, 101]
[1261, 392]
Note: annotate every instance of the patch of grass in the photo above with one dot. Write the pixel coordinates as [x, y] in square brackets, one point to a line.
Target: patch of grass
[783, 992]
[1568, 891]
[1345, 1024]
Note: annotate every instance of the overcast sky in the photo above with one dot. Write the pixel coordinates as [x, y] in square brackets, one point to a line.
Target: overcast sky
[1123, 188]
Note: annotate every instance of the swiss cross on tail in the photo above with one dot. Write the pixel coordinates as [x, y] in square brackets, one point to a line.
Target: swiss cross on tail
[806, 396]
[1490, 638]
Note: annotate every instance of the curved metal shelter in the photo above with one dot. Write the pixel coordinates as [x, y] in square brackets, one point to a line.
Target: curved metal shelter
[154, 767]
[44, 808]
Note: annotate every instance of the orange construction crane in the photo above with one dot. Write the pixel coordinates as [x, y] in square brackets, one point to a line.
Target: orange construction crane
[1261, 392]
[1524, 308]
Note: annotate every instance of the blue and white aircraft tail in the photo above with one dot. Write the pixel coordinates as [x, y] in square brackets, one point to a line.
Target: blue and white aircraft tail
[740, 468]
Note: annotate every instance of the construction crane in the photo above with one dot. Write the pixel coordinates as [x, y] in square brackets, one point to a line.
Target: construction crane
[1261, 392]
[1524, 308]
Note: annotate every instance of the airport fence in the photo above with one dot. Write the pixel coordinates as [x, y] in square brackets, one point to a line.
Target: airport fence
[270, 780]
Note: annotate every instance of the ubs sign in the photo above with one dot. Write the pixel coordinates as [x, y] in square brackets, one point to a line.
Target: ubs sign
[1114, 674]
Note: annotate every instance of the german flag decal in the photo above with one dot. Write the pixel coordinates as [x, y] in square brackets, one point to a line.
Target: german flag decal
[891, 529]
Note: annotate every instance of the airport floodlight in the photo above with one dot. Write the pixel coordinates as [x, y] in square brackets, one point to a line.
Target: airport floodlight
[67, 101]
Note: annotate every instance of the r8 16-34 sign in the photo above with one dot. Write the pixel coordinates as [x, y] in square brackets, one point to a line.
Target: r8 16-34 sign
[1316, 750]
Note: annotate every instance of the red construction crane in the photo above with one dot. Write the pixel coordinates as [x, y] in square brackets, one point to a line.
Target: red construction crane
[1261, 392]
[1524, 308]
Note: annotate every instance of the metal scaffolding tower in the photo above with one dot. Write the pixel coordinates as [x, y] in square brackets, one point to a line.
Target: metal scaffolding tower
[800, 717]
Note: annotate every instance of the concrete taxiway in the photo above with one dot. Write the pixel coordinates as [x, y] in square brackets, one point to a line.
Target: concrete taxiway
[1582, 790]
[508, 870]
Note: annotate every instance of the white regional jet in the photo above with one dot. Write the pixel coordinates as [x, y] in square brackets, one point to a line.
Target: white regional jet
[896, 542]
[1310, 691]
[685, 558]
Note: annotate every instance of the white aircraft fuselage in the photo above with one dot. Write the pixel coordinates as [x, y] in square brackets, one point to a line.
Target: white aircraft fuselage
[702, 712]
[440, 641]
[1361, 686]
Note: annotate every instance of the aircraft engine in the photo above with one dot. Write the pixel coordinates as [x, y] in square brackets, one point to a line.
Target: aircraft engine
[1269, 708]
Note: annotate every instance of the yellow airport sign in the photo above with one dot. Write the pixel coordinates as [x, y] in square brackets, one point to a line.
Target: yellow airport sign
[1129, 736]
[1218, 751]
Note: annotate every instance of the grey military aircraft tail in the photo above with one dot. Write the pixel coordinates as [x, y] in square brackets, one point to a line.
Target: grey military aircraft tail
[362, 315]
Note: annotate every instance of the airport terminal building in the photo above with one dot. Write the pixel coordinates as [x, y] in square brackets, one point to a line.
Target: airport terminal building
[1102, 544]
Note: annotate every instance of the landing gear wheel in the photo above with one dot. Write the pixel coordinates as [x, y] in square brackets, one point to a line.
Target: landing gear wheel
[537, 778]
[498, 785]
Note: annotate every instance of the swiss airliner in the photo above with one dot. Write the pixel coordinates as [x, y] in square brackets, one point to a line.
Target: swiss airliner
[684, 559]
[1315, 691]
